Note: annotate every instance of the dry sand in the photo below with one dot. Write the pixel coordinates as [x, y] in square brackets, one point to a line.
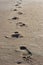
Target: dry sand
[32, 33]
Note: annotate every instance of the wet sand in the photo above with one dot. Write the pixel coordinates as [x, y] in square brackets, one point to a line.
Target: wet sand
[24, 20]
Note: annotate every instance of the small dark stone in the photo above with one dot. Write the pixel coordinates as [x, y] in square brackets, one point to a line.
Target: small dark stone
[15, 18]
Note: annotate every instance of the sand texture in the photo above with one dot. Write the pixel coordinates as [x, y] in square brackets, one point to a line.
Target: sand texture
[21, 24]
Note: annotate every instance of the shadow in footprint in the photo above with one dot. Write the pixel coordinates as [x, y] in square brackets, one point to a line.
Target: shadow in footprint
[16, 35]
[16, 32]
[21, 24]
[16, 4]
[15, 10]
[18, 62]
[24, 48]
[6, 36]
[15, 18]
[19, 7]
[20, 13]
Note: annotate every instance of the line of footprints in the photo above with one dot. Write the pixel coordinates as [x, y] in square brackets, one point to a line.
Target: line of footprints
[16, 34]
[26, 56]
[21, 24]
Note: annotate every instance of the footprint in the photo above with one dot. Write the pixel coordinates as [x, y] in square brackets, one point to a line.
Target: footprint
[24, 48]
[19, 7]
[21, 24]
[15, 10]
[15, 18]
[16, 32]
[16, 4]
[20, 13]
[16, 35]
[18, 62]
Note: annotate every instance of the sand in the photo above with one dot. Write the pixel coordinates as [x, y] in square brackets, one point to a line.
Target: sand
[30, 30]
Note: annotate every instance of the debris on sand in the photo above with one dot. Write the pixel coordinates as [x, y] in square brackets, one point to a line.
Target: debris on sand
[16, 35]
[26, 54]
[15, 18]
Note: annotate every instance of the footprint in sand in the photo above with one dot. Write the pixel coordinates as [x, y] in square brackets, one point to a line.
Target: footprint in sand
[15, 18]
[16, 4]
[18, 62]
[15, 10]
[26, 54]
[16, 35]
[25, 49]
[21, 24]
[20, 13]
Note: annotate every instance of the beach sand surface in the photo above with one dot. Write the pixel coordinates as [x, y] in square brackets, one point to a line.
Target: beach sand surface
[32, 33]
